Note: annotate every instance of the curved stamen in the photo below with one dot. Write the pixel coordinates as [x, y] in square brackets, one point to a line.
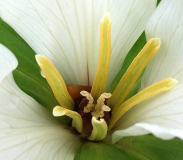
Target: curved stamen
[77, 121]
[100, 81]
[133, 72]
[56, 82]
[156, 88]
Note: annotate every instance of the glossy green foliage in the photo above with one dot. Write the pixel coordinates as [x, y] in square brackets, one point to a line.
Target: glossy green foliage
[101, 151]
[149, 147]
[145, 147]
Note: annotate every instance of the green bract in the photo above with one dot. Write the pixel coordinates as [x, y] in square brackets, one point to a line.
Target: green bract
[145, 147]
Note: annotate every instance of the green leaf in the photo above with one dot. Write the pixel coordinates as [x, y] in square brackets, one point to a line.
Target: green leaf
[145, 147]
[158, 2]
[152, 148]
[101, 151]
[27, 75]
[137, 47]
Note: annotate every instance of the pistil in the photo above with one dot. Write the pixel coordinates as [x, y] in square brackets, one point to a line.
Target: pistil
[100, 107]
[90, 105]
[97, 110]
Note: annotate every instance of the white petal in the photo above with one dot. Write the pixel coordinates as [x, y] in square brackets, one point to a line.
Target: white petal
[67, 32]
[29, 131]
[161, 115]
[8, 62]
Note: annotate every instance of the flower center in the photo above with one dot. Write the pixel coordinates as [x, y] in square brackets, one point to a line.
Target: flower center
[87, 110]
[99, 111]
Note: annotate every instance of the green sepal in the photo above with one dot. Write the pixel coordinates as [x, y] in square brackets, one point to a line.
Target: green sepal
[101, 151]
[137, 47]
[145, 147]
[151, 148]
[27, 75]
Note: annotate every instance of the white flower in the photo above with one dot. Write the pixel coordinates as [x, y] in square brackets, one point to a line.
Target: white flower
[68, 34]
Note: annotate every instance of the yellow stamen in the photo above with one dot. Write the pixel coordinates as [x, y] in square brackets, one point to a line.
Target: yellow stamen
[150, 91]
[56, 82]
[90, 105]
[133, 72]
[100, 80]
[99, 129]
[77, 120]
[100, 107]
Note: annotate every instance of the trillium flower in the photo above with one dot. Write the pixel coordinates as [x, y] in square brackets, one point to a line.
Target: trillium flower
[68, 35]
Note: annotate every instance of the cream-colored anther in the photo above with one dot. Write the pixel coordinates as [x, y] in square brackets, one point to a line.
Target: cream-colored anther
[90, 105]
[100, 107]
